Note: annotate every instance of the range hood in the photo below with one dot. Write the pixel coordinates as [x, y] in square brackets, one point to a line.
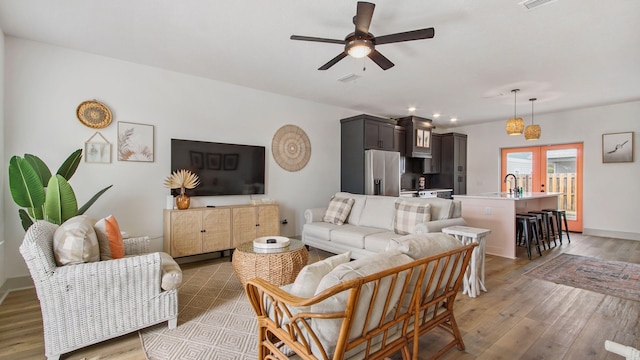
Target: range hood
[418, 140]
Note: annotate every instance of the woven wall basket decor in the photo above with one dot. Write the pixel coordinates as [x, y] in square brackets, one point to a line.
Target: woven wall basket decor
[291, 148]
[94, 114]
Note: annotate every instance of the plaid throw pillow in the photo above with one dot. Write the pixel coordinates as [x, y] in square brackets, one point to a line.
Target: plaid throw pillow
[409, 214]
[338, 210]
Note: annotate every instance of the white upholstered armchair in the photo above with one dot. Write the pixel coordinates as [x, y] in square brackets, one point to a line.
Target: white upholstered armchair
[91, 302]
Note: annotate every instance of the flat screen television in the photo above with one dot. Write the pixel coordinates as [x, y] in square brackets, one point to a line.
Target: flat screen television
[223, 169]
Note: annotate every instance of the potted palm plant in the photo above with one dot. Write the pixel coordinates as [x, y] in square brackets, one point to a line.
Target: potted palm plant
[182, 179]
[42, 195]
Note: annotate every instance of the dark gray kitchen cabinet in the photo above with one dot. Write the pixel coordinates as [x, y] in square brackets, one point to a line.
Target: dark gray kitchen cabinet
[453, 172]
[432, 165]
[360, 133]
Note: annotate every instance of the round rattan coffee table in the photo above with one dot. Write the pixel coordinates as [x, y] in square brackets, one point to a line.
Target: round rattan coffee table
[278, 266]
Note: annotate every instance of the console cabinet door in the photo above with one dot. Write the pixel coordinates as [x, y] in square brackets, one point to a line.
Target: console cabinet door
[268, 221]
[185, 233]
[245, 221]
[217, 229]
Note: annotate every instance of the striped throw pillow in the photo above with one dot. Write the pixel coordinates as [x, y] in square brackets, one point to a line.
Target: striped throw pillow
[338, 210]
[109, 238]
[409, 214]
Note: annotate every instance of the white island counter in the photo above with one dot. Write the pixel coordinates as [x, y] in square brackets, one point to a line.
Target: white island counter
[497, 211]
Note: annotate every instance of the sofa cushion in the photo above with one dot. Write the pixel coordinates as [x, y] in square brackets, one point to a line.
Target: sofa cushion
[338, 210]
[378, 242]
[409, 214]
[319, 230]
[378, 212]
[109, 238]
[419, 246]
[358, 205]
[75, 242]
[328, 329]
[352, 236]
[309, 277]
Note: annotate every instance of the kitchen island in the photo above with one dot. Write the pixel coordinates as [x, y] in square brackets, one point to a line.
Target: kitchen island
[497, 212]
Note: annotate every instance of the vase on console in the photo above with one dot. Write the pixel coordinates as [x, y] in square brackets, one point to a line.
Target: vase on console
[182, 179]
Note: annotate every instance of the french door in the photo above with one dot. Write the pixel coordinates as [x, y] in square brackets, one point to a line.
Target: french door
[549, 168]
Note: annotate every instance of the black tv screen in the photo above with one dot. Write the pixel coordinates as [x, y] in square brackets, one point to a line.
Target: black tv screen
[223, 169]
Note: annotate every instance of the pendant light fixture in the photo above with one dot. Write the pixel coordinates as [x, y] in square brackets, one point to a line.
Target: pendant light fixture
[532, 132]
[515, 125]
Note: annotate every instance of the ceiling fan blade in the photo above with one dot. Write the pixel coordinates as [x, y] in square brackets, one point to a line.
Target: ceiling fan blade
[362, 20]
[379, 59]
[427, 33]
[333, 61]
[316, 39]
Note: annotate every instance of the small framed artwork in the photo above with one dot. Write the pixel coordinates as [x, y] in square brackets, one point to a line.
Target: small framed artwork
[97, 150]
[214, 161]
[419, 138]
[135, 142]
[230, 161]
[197, 159]
[426, 136]
[617, 147]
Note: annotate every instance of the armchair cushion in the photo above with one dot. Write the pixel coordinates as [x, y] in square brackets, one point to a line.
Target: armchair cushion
[409, 214]
[309, 277]
[109, 238]
[75, 242]
[171, 272]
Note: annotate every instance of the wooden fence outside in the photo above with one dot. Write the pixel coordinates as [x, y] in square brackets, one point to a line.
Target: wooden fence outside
[563, 183]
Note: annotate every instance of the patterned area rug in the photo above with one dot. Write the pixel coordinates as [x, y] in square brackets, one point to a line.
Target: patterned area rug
[215, 319]
[614, 278]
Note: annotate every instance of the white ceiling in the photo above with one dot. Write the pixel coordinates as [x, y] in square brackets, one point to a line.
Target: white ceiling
[569, 54]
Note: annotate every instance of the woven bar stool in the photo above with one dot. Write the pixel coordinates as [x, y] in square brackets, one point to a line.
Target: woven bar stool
[527, 228]
[546, 225]
[561, 217]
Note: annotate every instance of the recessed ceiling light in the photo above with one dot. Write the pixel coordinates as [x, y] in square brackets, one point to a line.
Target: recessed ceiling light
[454, 119]
[412, 109]
[436, 115]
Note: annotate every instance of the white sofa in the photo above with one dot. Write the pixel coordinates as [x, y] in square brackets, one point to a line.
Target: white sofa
[370, 224]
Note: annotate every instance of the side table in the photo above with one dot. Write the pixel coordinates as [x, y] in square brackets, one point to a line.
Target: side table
[278, 266]
[472, 282]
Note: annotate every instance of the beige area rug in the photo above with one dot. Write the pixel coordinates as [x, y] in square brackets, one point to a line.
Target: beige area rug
[215, 319]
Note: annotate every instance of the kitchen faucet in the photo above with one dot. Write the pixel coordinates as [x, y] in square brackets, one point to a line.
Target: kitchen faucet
[515, 181]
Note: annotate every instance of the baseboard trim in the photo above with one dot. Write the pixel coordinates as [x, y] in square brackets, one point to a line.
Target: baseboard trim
[612, 234]
[14, 284]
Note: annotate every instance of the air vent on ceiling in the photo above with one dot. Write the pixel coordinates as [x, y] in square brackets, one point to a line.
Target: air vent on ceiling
[349, 77]
[531, 4]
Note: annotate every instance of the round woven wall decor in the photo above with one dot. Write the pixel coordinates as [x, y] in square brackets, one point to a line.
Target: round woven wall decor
[94, 114]
[291, 148]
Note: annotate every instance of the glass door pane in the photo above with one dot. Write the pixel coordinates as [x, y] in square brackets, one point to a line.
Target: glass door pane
[563, 165]
[523, 163]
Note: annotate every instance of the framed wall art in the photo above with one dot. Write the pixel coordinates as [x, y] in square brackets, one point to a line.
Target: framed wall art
[135, 142]
[97, 150]
[617, 147]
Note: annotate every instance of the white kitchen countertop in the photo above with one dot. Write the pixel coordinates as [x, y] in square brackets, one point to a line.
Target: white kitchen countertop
[509, 196]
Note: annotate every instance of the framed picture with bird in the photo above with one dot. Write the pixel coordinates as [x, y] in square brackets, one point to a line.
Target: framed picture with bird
[617, 147]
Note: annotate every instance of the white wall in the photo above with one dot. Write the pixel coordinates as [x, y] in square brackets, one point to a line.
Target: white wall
[611, 191]
[45, 84]
[3, 276]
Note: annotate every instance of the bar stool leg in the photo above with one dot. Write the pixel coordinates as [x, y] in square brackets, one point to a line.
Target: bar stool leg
[534, 230]
[566, 226]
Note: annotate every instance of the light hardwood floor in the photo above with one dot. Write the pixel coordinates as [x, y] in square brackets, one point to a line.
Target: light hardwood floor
[518, 318]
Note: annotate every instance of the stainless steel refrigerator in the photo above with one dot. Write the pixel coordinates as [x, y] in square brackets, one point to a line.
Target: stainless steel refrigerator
[382, 173]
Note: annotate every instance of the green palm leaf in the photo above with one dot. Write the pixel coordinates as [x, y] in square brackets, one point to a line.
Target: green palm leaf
[95, 197]
[40, 167]
[24, 183]
[25, 219]
[61, 203]
[68, 168]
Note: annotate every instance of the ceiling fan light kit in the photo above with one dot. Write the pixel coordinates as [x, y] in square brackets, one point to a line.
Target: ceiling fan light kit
[532, 132]
[362, 43]
[515, 125]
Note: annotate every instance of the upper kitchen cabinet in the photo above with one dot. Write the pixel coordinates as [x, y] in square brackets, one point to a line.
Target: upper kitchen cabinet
[418, 136]
[360, 133]
[453, 168]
